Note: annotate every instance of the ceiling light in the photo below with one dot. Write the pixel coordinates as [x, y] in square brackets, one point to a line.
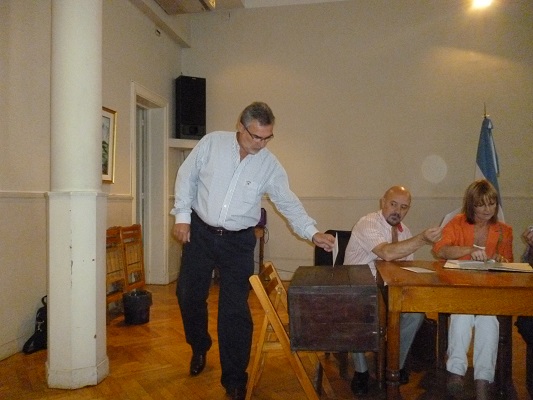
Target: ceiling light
[481, 3]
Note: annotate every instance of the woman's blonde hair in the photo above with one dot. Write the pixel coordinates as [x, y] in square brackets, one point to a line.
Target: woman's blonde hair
[480, 192]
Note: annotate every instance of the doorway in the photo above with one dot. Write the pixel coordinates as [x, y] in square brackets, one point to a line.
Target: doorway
[149, 142]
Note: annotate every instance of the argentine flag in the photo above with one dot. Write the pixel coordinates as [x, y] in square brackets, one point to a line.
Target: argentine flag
[487, 166]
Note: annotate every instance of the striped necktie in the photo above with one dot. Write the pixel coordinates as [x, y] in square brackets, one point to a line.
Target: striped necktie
[394, 231]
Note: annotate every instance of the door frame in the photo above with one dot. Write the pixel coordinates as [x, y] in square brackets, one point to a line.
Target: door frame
[155, 229]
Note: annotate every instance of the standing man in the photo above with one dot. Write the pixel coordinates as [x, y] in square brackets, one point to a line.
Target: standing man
[217, 204]
[381, 236]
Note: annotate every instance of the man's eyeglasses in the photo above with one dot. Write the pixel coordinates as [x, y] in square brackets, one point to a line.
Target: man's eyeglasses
[256, 138]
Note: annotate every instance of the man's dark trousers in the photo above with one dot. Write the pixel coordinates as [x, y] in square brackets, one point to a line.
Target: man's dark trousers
[233, 255]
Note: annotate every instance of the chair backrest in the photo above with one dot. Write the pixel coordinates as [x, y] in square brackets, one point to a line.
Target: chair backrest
[273, 287]
[449, 216]
[323, 257]
[133, 255]
[116, 276]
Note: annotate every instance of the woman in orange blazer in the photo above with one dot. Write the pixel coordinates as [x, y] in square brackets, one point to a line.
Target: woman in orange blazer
[475, 234]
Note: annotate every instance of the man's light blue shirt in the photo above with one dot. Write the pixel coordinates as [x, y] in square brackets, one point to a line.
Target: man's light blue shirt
[226, 192]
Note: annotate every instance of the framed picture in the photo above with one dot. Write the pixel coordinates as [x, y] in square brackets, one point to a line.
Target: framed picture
[109, 137]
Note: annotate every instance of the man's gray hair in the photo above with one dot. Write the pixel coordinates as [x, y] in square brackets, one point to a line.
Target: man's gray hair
[257, 111]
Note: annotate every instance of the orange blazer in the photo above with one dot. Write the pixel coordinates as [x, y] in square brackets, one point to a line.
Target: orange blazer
[458, 232]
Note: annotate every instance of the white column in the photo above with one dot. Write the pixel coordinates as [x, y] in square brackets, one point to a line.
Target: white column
[77, 354]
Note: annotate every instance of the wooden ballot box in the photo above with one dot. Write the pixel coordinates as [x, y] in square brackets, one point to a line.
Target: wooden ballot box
[333, 309]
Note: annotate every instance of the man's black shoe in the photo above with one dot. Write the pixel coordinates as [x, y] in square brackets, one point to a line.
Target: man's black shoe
[404, 377]
[360, 383]
[197, 363]
[237, 393]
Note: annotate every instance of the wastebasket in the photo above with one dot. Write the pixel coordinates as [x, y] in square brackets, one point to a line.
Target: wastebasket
[137, 307]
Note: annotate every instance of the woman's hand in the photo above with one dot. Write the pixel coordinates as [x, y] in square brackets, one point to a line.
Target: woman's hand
[478, 254]
[499, 258]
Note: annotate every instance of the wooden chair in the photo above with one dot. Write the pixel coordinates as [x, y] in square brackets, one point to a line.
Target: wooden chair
[133, 256]
[272, 295]
[116, 277]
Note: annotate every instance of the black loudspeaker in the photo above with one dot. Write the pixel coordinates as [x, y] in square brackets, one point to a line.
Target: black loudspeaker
[190, 107]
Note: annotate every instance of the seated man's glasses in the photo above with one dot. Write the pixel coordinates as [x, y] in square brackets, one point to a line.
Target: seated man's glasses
[256, 138]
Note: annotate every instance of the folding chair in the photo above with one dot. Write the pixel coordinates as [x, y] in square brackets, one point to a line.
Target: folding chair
[272, 295]
[133, 256]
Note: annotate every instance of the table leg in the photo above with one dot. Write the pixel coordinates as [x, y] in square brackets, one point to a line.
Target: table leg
[381, 356]
[504, 362]
[393, 355]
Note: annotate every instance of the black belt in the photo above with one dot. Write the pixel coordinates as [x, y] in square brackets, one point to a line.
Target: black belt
[217, 230]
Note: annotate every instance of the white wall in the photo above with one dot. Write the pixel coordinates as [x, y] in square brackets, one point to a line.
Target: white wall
[364, 92]
[24, 166]
[371, 94]
[132, 51]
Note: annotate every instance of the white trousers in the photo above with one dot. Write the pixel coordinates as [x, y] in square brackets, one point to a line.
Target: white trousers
[409, 325]
[487, 331]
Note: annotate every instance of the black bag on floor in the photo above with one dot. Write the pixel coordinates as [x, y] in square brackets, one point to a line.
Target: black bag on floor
[38, 341]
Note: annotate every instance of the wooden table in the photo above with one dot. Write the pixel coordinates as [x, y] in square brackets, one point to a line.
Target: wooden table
[447, 291]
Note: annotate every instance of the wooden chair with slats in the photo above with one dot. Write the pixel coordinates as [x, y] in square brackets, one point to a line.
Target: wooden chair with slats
[133, 256]
[273, 336]
[116, 277]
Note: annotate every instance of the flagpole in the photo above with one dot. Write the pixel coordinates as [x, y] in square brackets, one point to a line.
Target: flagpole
[487, 166]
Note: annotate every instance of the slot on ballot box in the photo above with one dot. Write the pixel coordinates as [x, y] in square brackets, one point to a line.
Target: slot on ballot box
[333, 309]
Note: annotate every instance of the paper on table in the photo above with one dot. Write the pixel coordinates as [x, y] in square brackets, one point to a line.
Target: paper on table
[419, 270]
[335, 248]
[488, 266]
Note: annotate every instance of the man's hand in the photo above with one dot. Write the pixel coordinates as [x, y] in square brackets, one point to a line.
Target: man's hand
[182, 232]
[324, 240]
[432, 235]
